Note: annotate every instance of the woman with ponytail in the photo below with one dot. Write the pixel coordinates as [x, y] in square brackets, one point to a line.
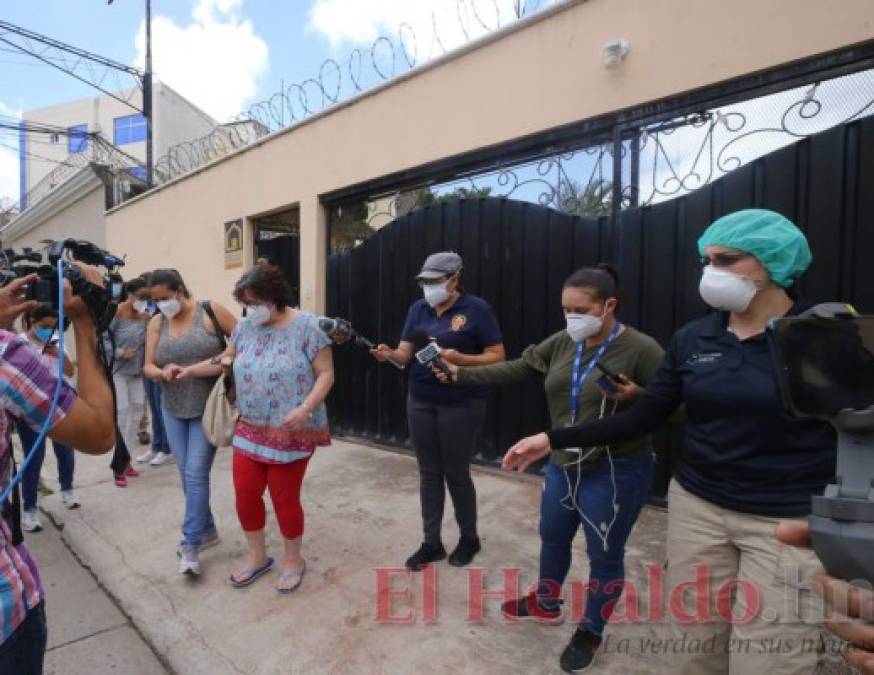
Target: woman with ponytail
[600, 489]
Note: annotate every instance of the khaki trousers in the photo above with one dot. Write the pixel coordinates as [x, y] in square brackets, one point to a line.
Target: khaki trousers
[738, 601]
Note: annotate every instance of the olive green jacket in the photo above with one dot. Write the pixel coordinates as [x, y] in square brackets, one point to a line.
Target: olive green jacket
[632, 353]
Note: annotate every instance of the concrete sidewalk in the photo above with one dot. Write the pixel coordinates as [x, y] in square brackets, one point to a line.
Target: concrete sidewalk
[88, 634]
[362, 514]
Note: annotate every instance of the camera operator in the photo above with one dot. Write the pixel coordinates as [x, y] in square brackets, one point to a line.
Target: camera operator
[850, 608]
[83, 421]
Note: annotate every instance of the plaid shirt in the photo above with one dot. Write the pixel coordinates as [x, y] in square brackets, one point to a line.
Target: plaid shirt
[26, 390]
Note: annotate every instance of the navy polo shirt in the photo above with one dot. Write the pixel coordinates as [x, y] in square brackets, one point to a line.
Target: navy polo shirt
[742, 452]
[469, 326]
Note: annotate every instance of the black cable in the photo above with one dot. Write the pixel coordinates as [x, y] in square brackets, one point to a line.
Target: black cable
[41, 158]
[44, 127]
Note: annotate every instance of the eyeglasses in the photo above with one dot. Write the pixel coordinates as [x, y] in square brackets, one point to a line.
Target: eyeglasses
[722, 259]
[432, 282]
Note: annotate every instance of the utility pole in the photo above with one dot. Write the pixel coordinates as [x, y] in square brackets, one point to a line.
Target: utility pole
[147, 96]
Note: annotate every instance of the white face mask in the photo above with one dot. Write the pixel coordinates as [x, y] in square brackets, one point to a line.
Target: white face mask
[435, 293]
[582, 326]
[257, 315]
[169, 308]
[141, 306]
[725, 290]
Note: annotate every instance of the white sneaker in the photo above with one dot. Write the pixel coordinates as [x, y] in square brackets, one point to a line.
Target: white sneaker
[30, 520]
[160, 458]
[188, 561]
[68, 497]
[147, 456]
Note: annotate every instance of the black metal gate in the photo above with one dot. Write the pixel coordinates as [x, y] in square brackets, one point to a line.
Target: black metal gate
[517, 255]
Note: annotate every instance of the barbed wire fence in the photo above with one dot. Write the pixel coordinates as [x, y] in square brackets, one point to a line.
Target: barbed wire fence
[100, 152]
[387, 57]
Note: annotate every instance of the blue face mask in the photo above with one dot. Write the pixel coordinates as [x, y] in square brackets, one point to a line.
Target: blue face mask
[43, 334]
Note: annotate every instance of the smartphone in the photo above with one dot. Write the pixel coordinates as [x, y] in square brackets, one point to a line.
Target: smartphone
[607, 385]
[608, 380]
[607, 372]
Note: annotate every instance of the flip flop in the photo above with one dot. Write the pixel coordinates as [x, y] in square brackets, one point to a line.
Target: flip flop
[291, 576]
[254, 573]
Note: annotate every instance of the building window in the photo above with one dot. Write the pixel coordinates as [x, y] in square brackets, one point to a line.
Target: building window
[77, 141]
[129, 129]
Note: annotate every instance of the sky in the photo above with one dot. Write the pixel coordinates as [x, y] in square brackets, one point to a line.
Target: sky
[225, 55]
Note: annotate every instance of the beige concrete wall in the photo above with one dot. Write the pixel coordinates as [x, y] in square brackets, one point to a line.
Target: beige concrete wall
[82, 219]
[544, 74]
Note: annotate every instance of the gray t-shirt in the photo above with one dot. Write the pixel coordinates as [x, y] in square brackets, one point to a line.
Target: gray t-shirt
[129, 334]
[186, 399]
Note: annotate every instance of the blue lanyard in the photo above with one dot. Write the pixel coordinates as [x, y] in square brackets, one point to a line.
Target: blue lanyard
[577, 377]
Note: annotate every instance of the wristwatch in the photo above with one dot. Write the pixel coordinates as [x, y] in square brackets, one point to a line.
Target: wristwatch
[310, 413]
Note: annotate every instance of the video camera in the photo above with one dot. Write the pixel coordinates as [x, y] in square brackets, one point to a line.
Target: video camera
[100, 299]
[824, 360]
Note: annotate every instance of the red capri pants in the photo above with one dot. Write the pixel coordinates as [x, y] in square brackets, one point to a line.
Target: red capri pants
[284, 482]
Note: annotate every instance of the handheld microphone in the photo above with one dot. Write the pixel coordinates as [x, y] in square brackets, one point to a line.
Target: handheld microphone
[340, 331]
[428, 351]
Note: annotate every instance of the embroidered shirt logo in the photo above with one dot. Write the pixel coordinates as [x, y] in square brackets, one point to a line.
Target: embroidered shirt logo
[704, 358]
[459, 321]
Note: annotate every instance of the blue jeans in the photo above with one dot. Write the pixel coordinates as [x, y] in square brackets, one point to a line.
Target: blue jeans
[159, 434]
[559, 522]
[194, 455]
[23, 652]
[30, 479]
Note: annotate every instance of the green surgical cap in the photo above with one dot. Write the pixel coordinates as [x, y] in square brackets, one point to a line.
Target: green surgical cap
[774, 239]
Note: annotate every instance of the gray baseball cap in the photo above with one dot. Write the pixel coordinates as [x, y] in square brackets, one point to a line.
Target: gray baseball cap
[439, 265]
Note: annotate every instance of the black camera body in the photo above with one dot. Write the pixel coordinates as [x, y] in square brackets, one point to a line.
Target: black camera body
[824, 360]
[101, 299]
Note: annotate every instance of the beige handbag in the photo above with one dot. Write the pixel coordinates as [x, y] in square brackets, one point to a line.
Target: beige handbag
[221, 413]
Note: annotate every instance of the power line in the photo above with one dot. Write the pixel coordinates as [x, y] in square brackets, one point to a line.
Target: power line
[15, 50]
[57, 44]
[24, 63]
[36, 142]
[33, 155]
[38, 128]
[80, 66]
[11, 119]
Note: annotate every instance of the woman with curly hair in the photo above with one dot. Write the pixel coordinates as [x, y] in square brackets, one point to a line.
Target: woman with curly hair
[283, 371]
